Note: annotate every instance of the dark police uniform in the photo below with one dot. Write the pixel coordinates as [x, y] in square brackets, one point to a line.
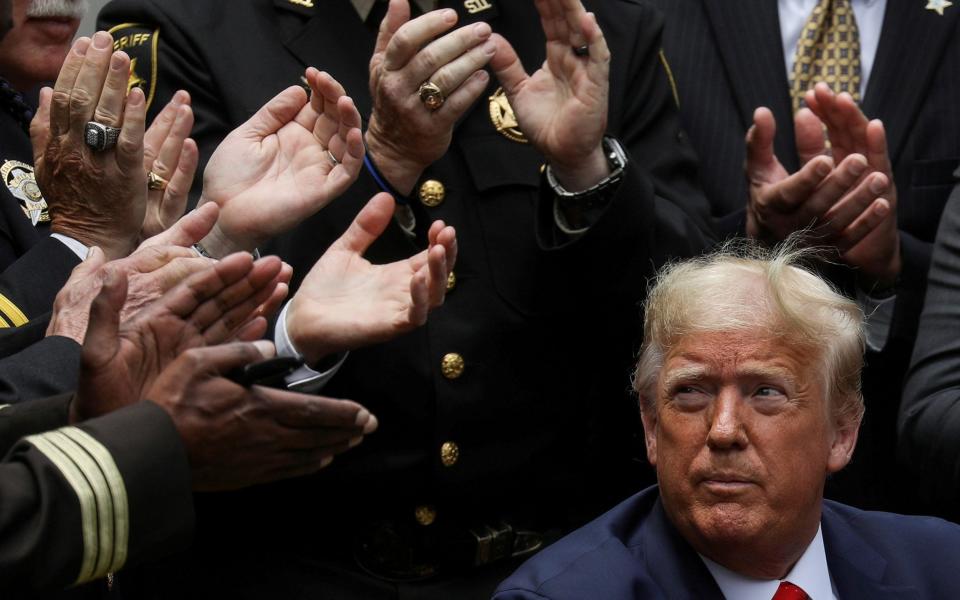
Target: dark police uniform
[24, 219]
[77, 503]
[506, 417]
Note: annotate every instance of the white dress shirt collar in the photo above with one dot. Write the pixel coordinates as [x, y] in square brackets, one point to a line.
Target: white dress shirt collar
[810, 574]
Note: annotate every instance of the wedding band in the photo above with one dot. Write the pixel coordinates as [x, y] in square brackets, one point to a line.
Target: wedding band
[431, 95]
[333, 158]
[100, 137]
[155, 182]
[581, 50]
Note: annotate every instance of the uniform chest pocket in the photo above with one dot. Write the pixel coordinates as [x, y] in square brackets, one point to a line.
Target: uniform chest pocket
[506, 176]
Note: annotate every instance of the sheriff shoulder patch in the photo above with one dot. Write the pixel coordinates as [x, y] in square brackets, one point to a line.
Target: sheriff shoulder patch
[140, 43]
[20, 180]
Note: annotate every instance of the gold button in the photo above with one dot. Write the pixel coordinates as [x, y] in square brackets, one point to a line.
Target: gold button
[432, 193]
[451, 281]
[543, 168]
[425, 515]
[452, 365]
[449, 454]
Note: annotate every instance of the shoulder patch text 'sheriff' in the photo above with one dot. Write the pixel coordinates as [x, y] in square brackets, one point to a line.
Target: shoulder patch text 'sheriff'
[140, 43]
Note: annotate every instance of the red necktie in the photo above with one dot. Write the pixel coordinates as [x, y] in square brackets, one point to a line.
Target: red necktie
[788, 591]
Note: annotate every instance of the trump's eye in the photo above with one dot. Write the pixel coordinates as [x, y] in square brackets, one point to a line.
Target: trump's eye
[768, 391]
[688, 397]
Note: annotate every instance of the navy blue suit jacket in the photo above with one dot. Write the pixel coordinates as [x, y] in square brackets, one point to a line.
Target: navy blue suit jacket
[633, 551]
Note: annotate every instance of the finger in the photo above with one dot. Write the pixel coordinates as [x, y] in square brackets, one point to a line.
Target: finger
[86, 91]
[506, 66]
[221, 359]
[370, 222]
[305, 411]
[414, 35]
[855, 203]
[178, 188]
[272, 304]
[599, 51]
[60, 101]
[792, 192]
[760, 136]
[102, 340]
[190, 229]
[169, 156]
[342, 175]
[186, 299]
[808, 133]
[877, 154]
[398, 13]
[437, 281]
[40, 125]
[419, 297]
[109, 109]
[277, 112]
[451, 75]
[854, 120]
[445, 50]
[448, 239]
[553, 26]
[572, 12]
[837, 184]
[130, 142]
[242, 289]
[240, 303]
[254, 330]
[460, 101]
[160, 127]
[94, 260]
[325, 93]
[871, 219]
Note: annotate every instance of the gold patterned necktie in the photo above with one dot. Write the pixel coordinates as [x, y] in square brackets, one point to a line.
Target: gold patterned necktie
[829, 51]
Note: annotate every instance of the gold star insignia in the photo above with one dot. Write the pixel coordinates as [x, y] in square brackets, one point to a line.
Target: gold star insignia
[135, 80]
[938, 5]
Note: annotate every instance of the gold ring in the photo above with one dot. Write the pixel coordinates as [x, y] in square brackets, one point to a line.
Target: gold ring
[155, 182]
[431, 95]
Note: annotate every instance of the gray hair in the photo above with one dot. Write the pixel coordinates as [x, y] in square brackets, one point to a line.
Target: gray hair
[744, 287]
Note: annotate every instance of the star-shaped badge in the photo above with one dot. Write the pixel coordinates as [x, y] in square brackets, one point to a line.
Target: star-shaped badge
[938, 5]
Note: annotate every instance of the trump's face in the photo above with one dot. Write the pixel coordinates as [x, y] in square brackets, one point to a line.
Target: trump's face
[743, 438]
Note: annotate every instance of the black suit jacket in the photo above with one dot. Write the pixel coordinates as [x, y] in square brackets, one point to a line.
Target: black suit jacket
[634, 551]
[930, 412]
[727, 59]
[546, 326]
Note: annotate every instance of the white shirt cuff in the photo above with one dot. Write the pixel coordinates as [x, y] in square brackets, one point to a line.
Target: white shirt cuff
[79, 249]
[879, 316]
[303, 379]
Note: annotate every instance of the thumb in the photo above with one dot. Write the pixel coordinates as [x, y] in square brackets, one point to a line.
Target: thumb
[760, 156]
[40, 125]
[277, 112]
[371, 221]
[101, 341]
[808, 131]
[189, 229]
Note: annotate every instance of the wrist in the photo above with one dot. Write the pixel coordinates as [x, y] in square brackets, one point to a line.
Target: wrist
[114, 246]
[578, 175]
[301, 341]
[399, 171]
[218, 243]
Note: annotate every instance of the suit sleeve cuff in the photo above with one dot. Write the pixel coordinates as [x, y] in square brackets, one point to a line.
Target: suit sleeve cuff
[304, 379]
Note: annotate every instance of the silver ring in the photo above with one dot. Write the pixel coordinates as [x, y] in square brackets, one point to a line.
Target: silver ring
[333, 158]
[100, 137]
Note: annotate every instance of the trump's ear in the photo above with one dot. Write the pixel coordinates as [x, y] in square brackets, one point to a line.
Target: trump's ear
[648, 414]
[844, 441]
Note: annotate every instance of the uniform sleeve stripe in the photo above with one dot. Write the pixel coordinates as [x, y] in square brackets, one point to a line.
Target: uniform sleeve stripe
[118, 493]
[101, 492]
[88, 508]
[11, 312]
